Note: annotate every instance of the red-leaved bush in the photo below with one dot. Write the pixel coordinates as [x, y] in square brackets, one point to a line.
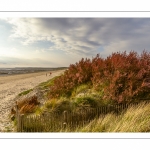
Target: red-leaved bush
[122, 77]
[76, 74]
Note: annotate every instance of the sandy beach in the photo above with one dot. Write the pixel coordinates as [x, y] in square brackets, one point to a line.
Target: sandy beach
[11, 86]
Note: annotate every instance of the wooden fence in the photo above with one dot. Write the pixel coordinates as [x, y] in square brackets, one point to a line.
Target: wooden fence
[66, 121]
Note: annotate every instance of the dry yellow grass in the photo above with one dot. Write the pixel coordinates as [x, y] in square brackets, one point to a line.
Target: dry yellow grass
[135, 119]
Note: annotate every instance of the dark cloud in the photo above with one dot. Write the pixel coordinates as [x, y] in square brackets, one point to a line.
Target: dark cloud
[103, 31]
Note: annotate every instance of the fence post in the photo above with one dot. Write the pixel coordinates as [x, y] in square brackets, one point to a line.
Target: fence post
[65, 119]
[17, 117]
[21, 122]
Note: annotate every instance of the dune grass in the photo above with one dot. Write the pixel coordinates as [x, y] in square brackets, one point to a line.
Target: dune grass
[135, 119]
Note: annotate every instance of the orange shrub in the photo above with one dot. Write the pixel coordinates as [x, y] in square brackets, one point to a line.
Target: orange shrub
[26, 105]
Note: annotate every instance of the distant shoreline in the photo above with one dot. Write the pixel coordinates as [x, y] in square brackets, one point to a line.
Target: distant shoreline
[18, 71]
[24, 73]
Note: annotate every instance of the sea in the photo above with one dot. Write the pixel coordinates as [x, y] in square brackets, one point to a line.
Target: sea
[24, 70]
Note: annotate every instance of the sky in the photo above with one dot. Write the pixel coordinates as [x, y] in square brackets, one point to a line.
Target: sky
[59, 42]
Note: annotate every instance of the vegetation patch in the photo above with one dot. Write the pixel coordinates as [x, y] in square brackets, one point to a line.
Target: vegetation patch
[81, 90]
[25, 92]
[60, 105]
[86, 102]
[47, 83]
[27, 105]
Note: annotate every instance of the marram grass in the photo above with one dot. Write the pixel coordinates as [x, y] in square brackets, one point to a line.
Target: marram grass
[135, 119]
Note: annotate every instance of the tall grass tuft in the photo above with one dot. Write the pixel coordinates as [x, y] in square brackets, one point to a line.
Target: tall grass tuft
[135, 119]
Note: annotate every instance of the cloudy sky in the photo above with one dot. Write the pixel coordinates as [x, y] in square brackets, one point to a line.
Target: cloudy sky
[55, 42]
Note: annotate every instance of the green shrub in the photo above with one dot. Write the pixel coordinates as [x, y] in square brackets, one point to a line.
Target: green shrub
[81, 89]
[60, 105]
[86, 101]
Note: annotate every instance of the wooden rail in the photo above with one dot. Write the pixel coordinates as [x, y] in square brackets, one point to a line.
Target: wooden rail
[56, 121]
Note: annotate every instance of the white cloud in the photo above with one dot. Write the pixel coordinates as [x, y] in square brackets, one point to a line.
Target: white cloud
[33, 30]
[9, 52]
[39, 51]
[119, 46]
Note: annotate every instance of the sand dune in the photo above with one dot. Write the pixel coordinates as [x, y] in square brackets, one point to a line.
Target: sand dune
[11, 86]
